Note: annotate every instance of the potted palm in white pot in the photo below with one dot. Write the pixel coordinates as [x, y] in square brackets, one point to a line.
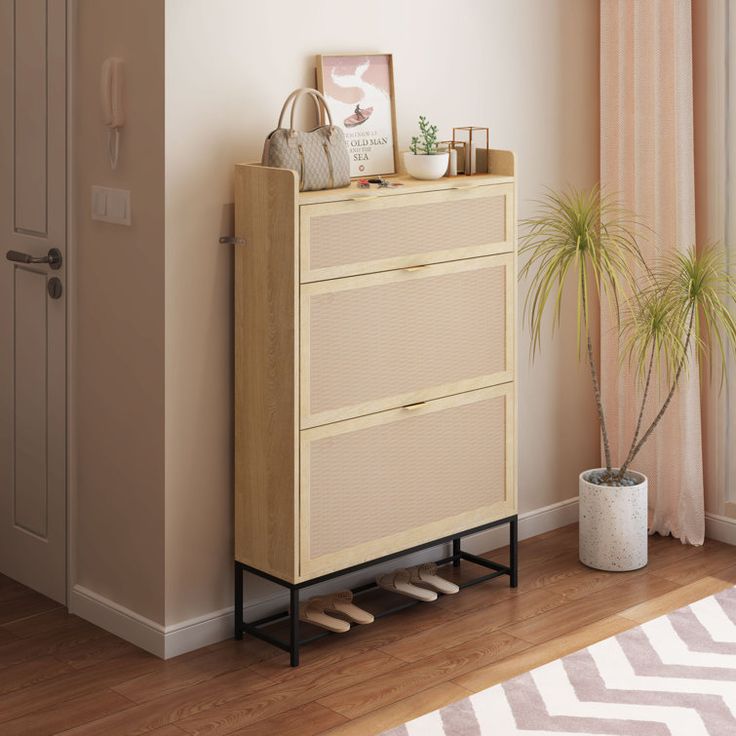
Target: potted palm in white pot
[668, 314]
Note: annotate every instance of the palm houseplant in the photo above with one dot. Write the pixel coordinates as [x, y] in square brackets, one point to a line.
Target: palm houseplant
[424, 159]
[667, 315]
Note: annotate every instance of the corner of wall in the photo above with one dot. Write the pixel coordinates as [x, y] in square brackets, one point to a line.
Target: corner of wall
[116, 484]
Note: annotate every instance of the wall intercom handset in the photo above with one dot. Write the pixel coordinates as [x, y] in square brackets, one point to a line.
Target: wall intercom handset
[112, 95]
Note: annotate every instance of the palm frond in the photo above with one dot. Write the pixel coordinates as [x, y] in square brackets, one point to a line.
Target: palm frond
[653, 326]
[583, 240]
[697, 281]
[580, 238]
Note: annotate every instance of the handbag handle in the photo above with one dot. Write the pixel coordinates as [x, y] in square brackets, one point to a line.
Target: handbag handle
[294, 97]
[289, 100]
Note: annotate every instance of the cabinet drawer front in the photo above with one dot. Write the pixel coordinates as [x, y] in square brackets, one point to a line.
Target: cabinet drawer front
[379, 484]
[383, 232]
[385, 340]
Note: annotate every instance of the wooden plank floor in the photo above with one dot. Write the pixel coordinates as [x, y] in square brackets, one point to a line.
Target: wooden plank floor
[59, 674]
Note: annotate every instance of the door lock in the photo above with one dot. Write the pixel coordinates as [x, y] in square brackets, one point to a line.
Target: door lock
[55, 288]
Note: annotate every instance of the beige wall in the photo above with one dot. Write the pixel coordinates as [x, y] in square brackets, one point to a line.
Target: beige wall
[152, 337]
[118, 331]
[528, 69]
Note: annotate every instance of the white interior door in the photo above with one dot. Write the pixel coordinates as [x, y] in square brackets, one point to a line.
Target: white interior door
[32, 300]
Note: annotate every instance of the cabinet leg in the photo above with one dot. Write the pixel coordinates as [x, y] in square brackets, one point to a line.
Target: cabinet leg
[514, 551]
[294, 620]
[456, 552]
[238, 592]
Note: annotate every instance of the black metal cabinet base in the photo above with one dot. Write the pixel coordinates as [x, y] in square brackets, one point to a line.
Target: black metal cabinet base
[258, 628]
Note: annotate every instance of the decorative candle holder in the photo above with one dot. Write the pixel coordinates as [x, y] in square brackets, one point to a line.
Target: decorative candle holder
[456, 150]
[455, 156]
[473, 133]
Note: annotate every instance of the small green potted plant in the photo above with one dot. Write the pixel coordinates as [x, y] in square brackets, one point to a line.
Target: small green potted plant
[424, 159]
[669, 314]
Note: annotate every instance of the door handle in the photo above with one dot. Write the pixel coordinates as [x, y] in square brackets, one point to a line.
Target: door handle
[53, 258]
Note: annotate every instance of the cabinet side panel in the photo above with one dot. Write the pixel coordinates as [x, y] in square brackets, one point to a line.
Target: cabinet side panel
[492, 161]
[513, 292]
[265, 490]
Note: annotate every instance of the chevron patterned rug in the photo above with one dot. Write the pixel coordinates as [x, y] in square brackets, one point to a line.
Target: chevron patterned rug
[673, 676]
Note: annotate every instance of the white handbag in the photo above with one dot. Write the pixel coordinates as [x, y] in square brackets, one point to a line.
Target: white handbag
[320, 156]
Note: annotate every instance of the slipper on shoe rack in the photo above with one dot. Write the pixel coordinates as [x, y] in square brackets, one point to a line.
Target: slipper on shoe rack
[313, 612]
[426, 574]
[399, 582]
[342, 603]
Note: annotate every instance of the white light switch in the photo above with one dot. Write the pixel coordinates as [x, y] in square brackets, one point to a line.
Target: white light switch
[99, 203]
[117, 205]
[111, 205]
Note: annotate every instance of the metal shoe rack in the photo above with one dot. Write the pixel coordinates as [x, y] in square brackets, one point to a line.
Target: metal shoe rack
[260, 628]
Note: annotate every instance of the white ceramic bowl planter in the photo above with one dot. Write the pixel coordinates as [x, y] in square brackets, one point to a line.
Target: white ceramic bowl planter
[426, 166]
[613, 524]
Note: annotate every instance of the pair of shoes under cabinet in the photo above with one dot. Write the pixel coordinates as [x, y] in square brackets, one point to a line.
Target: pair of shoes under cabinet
[375, 368]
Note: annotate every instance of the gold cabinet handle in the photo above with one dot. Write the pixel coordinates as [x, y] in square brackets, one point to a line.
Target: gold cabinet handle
[469, 186]
[365, 196]
[416, 405]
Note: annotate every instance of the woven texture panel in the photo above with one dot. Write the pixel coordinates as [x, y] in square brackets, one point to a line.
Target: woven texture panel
[385, 340]
[358, 236]
[384, 480]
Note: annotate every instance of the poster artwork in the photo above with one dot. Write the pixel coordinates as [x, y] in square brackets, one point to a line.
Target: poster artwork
[358, 91]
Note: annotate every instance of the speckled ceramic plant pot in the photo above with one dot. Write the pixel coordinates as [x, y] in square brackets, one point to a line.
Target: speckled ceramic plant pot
[613, 524]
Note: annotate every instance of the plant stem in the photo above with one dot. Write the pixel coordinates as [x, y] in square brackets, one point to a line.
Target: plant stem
[597, 390]
[629, 457]
[675, 383]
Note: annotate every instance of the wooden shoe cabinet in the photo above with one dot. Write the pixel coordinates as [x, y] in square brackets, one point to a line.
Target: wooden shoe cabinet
[375, 369]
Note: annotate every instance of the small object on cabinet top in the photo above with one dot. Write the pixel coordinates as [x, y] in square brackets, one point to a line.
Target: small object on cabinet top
[470, 166]
[382, 183]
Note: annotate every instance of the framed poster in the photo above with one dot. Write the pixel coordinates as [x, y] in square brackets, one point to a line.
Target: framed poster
[360, 92]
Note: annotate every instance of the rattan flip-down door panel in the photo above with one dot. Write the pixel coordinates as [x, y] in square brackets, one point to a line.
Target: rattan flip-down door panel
[379, 232]
[382, 341]
[384, 482]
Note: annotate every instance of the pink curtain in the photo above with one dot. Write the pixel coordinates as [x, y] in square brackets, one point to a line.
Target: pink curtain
[647, 160]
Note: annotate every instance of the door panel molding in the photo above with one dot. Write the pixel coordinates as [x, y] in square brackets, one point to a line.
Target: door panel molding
[30, 117]
[30, 391]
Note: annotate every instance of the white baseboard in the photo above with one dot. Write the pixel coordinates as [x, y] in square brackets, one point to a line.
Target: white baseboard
[118, 620]
[185, 636]
[163, 641]
[531, 523]
[720, 528]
